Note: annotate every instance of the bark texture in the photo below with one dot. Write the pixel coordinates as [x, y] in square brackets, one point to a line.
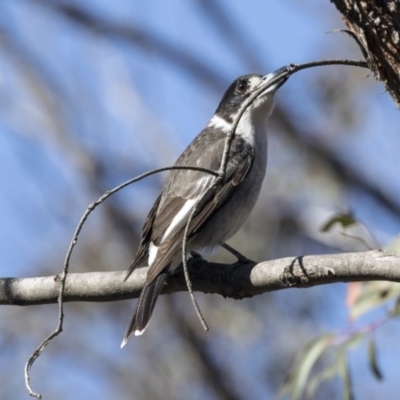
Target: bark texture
[236, 281]
[375, 25]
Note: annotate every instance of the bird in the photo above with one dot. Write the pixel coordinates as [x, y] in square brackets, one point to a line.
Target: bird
[220, 210]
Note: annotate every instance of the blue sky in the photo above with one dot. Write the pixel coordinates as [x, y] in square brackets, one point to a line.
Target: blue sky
[137, 109]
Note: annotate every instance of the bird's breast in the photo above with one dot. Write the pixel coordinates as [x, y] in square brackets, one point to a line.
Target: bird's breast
[231, 216]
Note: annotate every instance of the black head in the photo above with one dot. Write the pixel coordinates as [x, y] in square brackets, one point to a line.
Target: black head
[243, 87]
[236, 94]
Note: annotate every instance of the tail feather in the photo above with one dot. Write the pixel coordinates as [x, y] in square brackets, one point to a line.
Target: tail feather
[144, 308]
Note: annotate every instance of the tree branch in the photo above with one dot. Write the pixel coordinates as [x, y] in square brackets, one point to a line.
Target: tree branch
[236, 281]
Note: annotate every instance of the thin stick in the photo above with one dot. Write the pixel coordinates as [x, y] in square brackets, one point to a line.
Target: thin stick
[185, 270]
[298, 67]
[219, 177]
[214, 184]
[235, 123]
[72, 244]
[224, 161]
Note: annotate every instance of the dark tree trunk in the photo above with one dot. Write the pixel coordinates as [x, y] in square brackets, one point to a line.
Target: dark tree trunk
[375, 24]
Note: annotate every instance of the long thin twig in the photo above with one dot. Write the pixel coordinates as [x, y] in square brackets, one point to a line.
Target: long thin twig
[72, 244]
[298, 67]
[225, 159]
[230, 136]
[219, 177]
[214, 185]
[185, 269]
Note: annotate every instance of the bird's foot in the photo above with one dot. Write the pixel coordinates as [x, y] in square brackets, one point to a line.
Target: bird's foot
[194, 254]
[196, 258]
[240, 257]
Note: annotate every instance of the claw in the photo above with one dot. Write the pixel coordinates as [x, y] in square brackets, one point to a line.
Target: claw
[240, 257]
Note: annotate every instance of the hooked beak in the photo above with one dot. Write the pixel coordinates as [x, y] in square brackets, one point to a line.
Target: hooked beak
[273, 81]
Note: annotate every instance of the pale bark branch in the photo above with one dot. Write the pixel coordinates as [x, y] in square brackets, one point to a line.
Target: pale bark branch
[235, 281]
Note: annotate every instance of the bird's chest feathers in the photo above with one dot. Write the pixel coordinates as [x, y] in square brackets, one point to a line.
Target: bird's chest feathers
[252, 128]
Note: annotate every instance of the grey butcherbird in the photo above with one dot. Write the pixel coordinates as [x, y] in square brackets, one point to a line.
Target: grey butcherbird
[223, 211]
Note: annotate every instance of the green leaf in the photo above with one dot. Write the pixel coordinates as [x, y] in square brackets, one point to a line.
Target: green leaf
[372, 357]
[395, 311]
[345, 375]
[336, 368]
[353, 341]
[296, 382]
[374, 294]
[344, 219]
[328, 373]
[394, 245]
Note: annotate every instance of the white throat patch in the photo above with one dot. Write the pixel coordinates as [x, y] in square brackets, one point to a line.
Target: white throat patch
[219, 123]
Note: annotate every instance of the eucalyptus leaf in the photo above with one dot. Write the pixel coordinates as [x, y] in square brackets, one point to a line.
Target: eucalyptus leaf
[374, 294]
[338, 367]
[344, 219]
[297, 380]
[327, 373]
[394, 245]
[353, 341]
[395, 311]
[373, 363]
[344, 373]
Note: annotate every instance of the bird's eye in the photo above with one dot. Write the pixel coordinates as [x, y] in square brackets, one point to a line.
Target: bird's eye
[242, 86]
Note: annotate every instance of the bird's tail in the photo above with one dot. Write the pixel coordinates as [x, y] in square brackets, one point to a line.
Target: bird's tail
[144, 308]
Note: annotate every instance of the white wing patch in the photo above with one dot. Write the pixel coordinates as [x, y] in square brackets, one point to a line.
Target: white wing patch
[219, 123]
[177, 219]
[153, 249]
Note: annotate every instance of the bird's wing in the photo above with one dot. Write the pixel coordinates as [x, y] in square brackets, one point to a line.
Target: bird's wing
[173, 198]
[178, 200]
[143, 249]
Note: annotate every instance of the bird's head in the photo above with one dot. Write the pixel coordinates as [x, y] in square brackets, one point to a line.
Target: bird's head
[244, 86]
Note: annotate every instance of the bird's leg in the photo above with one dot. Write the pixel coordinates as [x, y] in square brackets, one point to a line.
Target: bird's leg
[241, 258]
[196, 258]
[194, 254]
